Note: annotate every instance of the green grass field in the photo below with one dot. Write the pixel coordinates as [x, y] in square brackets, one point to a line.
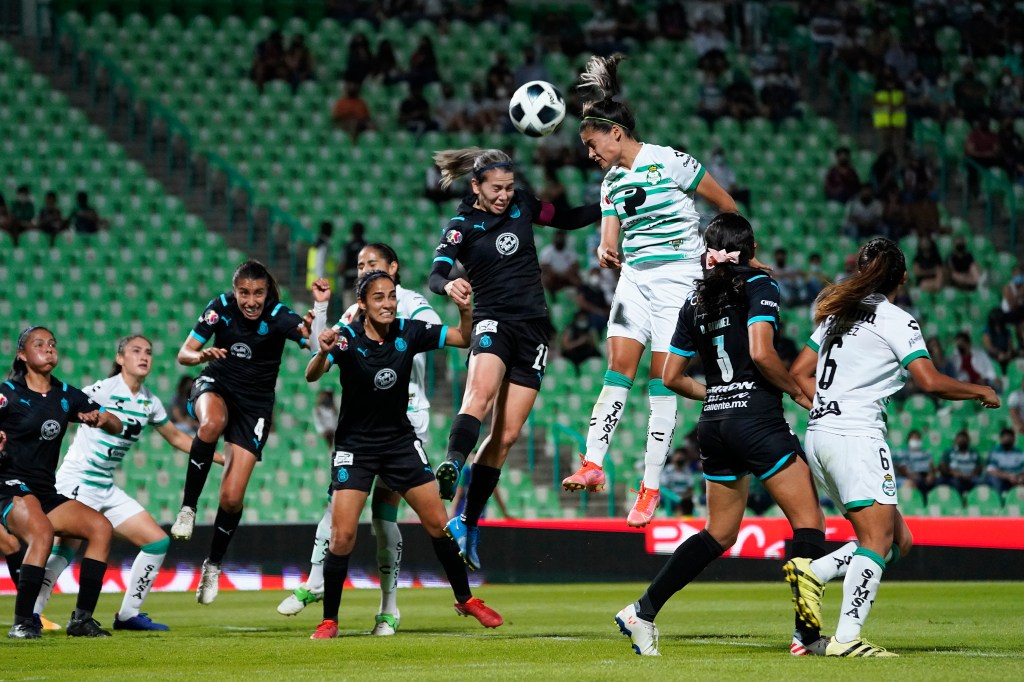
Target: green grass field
[943, 631]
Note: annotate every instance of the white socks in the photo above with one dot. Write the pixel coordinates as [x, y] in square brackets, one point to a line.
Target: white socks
[831, 566]
[389, 559]
[606, 415]
[660, 427]
[315, 581]
[859, 591]
[144, 571]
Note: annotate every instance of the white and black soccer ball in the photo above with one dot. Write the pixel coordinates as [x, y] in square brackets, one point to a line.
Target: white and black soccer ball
[537, 109]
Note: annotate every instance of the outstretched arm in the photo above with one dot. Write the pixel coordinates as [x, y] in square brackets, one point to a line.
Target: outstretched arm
[319, 364]
[676, 379]
[569, 219]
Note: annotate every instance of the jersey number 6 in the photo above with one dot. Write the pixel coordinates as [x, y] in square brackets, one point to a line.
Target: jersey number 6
[828, 373]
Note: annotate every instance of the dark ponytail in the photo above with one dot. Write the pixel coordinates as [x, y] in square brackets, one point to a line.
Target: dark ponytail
[723, 286]
[18, 366]
[122, 343]
[253, 269]
[881, 267]
[599, 86]
[389, 256]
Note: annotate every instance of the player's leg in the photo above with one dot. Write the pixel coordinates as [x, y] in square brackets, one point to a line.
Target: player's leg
[212, 413]
[141, 530]
[429, 508]
[384, 519]
[312, 590]
[72, 518]
[483, 381]
[14, 553]
[511, 409]
[346, 505]
[23, 517]
[61, 556]
[660, 428]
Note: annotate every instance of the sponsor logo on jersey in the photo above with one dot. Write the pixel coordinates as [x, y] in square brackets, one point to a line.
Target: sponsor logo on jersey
[653, 175]
[240, 350]
[343, 459]
[485, 341]
[385, 378]
[485, 326]
[49, 430]
[210, 317]
[770, 304]
[263, 329]
[889, 486]
[64, 404]
[507, 244]
[515, 212]
[453, 237]
[342, 475]
[401, 345]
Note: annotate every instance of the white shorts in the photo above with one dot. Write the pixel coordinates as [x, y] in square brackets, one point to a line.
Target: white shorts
[648, 298]
[420, 420]
[114, 503]
[853, 471]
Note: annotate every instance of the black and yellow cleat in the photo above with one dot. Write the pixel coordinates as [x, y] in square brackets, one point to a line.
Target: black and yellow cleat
[808, 591]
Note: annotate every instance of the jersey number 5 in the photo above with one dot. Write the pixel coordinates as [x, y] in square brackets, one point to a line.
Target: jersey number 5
[724, 361]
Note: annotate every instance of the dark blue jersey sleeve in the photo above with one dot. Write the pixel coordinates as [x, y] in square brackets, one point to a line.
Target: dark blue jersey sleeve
[289, 323]
[762, 300]
[446, 253]
[78, 402]
[210, 320]
[424, 336]
[7, 396]
[682, 338]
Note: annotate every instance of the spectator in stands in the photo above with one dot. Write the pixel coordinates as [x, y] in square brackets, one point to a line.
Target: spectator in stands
[559, 265]
[710, 45]
[781, 92]
[680, 478]
[84, 218]
[864, 215]
[325, 416]
[1012, 303]
[960, 466]
[901, 62]
[578, 341]
[592, 298]
[964, 273]
[914, 465]
[360, 62]
[500, 81]
[841, 181]
[423, 64]
[385, 64]
[981, 147]
[740, 98]
[671, 23]
[970, 94]
[1006, 99]
[350, 269]
[601, 30]
[997, 339]
[414, 111]
[894, 214]
[790, 280]
[711, 104]
[269, 61]
[179, 406]
[532, 69]
[320, 261]
[920, 102]
[922, 213]
[1016, 407]
[350, 112]
[972, 363]
[937, 352]
[1005, 463]
[945, 98]
[553, 191]
[50, 220]
[432, 187]
[928, 268]
[885, 171]
[890, 109]
[979, 32]
[451, 112]
[299, 62]
[1011, 145]
[720, 170]
[6, 222]
[23, 212]
[815, 279]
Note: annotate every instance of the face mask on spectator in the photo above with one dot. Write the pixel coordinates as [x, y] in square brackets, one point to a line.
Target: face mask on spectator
[914, 443]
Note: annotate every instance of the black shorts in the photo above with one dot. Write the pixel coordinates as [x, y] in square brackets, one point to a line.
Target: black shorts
[11, 488]
[249, 418]
[733, 448]
[400, 469]
[521, 344]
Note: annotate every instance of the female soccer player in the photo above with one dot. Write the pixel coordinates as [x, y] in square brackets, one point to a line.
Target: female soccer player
[35, 410]
[860, 355]
[730, 321]
[384, 505]
[233, 396]
[492, 236]
[648, 194]
[87, 475]
[375, 357]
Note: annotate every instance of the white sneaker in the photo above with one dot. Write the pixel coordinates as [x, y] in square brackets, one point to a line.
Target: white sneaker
[643, 634]
[184, 524]
[385, 624]
[209, 583]
[298, 600]
[815, 648]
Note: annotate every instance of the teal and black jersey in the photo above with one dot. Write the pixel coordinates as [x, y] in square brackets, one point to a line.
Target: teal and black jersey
[254, 346]
[375, 383]
[35, 425]
[735, 386]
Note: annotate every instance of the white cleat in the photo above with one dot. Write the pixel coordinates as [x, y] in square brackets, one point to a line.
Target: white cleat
[298, 600]
[385, 625]
[815, 648]
[184, 524]
[209, 583]
[643, 634]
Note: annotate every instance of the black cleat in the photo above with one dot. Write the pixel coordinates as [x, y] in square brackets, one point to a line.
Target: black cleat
[447, 475]
[85, 627]
[25, 631]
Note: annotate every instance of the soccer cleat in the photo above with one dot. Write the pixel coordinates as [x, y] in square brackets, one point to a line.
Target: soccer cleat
[643, 509]
[25, 631]
[808, 590]
[466, 539]
[815, 648]
[858, 648]
[141, 621]
[384, 625]
[85, 627]
[447, 475]
[45, 623]
[298, 600]
[328, 629]
[471, 558]
[589, 477]
[209, 583]
[487, 616]
[184, 524]
[643, 633]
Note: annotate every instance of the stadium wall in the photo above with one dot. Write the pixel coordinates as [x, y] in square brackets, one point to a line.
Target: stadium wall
[275, 557]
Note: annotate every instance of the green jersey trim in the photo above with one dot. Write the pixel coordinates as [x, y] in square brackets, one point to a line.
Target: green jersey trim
[663, 257]
[696, 181]
[914, 356]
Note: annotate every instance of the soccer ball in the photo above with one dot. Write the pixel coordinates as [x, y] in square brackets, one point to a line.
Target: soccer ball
[537, 109]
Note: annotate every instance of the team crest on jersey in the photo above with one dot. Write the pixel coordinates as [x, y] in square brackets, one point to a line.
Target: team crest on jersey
[453, 237]
[263, 329]
[889, 486]
[507, 244]
[49, 430]
[401, 345]
[64, 404]
[515, 212]
[240, 350]
[653, 175]
[210, 317]
[3, 401]
[485, 341]
[343, 343]
[342, 475]
[385, 378]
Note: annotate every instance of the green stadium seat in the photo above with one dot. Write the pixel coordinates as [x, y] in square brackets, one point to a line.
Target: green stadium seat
[945, 501]
[982, 500]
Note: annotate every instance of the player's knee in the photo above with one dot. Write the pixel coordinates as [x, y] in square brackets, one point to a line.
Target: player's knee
[231, 501]
[342, 541]
[726, 537]
[98, 529]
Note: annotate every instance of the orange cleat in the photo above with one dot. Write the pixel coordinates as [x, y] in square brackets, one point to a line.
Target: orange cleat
[487, 616]
[589, 477]
[328, 629]
[643, 509]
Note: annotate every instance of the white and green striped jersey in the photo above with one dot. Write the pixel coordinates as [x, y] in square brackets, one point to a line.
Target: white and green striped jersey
[95, 454]
[654, 204]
